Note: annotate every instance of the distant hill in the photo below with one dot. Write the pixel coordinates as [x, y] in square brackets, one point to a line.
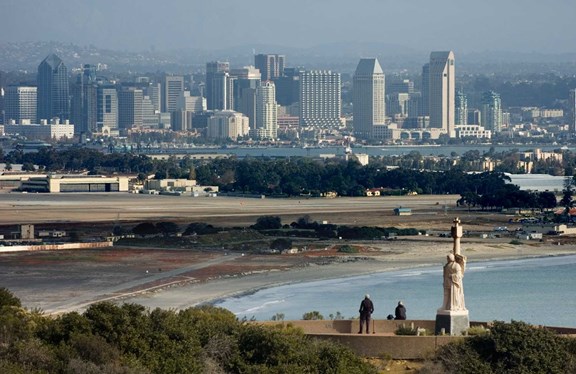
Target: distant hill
[340, 56]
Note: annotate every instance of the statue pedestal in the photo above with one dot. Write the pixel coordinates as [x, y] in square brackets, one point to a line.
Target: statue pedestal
[453, 322]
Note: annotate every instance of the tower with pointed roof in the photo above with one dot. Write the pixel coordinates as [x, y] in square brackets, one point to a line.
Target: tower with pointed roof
[369, 100]
[53, 90]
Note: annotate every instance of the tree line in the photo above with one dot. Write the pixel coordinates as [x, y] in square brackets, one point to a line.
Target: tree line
[297, 176]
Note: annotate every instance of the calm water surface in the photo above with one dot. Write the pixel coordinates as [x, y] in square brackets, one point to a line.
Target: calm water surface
[538, 291]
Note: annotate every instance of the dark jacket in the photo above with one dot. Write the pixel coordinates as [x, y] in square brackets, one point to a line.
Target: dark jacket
[400, 312]
[366, 307]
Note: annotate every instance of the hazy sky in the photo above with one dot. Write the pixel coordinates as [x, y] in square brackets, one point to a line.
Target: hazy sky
[462, 25]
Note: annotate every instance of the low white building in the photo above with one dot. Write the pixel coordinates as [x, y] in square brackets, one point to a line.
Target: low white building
[45, 131]
[75, 183]
[227, 124]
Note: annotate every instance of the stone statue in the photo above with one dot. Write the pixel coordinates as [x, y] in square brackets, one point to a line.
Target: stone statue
[452, 317]
[454, 273]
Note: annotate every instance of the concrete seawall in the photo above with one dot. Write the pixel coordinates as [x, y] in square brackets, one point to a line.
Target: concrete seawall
[382, 341]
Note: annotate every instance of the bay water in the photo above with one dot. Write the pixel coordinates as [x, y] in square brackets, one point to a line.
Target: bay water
[539, 291]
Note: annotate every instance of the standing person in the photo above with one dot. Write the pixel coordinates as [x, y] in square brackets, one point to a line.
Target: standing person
[400, 311]
[366, 310]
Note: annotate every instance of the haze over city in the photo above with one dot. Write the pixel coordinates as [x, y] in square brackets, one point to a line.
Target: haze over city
[420, 25]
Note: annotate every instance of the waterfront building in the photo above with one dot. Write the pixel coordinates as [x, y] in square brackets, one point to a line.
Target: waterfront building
[461, 109]
[172, 88]
[369, 97]
[53, 89]
[442, 91]
[227, 124]
[320, 99]
[473, 131]
[491, 111]
[474, 117]
[20, 103]
[271, 66]
[266, 112]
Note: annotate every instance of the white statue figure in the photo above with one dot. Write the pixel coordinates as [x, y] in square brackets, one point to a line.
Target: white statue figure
[454, 273]
[453, 286]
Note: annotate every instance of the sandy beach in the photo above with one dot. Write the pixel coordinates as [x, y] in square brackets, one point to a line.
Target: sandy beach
[401, 254]
[180, 277]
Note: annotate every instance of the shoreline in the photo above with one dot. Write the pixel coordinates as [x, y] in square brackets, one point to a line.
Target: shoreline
[217, 290]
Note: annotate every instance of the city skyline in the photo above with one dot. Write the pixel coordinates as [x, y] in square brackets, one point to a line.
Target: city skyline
[442, 25]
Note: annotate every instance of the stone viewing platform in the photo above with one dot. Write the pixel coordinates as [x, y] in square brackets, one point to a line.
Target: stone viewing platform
[382, 339]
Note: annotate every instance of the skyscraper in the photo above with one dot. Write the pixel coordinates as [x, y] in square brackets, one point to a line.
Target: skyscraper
[107, 110]
[214, 89]
[2, 96]
[172, 88]
[270, 66]
[442, 91]
[20, 104]
[425, 100]
[491, 111]
[130, 108]
[288, 86]
[266, 111]
[83, 111]
[247, 80]
[369, 99]
[53, 91]
[572, 112]
[320, 99]
[461, 109]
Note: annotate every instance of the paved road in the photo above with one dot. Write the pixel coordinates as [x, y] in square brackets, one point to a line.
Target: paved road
[37, 208]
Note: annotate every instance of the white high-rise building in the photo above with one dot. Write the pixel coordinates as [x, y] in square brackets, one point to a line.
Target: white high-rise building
[369, 97]
[320, 99]
[461, 109]
[442, 83]
[266, 111]
[20, 103]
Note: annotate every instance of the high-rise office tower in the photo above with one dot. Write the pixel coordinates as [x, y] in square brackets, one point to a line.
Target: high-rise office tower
[461, 109]
[2, 96]
[130, 108]
[491, 111]
[107, 107]
[154, 93]
[288, 86]
[270, 66]
[266, 111]
[245, 85]
[214, 79]
[53, 91]
[172, 88]
[20, 104]
[320, 98]
[84, 104]
[369, 97]
[397, 104]
[425, 100]
[442, 91]
[572, 112]
[399, 85]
